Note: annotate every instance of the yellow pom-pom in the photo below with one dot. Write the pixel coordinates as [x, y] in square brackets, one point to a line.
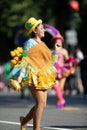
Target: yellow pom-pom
[15, 85]
[13, 61]
[12, 53]
[16, 52]
[19, 55]
[20, 49]
[16, 58]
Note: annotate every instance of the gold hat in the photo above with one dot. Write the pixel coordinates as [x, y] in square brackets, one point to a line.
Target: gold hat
[31, 24]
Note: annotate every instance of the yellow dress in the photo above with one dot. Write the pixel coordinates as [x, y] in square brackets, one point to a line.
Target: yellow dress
[39, 67]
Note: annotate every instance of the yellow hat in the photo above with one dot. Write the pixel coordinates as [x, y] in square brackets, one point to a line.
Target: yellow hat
[31, 24]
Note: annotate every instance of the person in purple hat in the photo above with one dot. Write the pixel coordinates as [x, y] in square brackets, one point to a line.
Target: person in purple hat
[60, 55]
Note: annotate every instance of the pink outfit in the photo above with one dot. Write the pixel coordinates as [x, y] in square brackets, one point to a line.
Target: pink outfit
[59, 63]
[64, 68]
[61, 101]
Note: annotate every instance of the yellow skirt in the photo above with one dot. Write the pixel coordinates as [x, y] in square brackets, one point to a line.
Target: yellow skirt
[40, 79]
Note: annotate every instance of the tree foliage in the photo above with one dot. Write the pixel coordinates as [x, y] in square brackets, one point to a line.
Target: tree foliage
[55, 12]
[14, 13]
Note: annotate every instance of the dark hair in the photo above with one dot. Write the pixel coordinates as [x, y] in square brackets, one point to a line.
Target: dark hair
[32, 35]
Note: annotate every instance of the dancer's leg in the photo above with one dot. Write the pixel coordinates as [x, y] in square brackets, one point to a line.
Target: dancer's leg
[28, 117]
[41, 98]
[59, 94]
[62, 83]
[36, 112]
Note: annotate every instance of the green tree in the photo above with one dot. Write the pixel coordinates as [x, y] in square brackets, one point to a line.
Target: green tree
[55, 12]
[14, 13]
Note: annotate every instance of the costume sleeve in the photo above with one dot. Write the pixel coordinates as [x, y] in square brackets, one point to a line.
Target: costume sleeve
[29, 44]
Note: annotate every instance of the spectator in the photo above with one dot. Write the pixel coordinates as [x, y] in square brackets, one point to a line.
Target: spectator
[83, 66]
[79, 56]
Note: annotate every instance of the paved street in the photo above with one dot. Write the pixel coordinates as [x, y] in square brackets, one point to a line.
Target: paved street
[72, 117]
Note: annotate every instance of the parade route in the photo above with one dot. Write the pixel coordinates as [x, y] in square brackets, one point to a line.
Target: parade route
[72, 117]
[30, 125]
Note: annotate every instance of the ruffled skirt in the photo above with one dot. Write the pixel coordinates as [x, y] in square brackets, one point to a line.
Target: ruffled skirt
[40, 79]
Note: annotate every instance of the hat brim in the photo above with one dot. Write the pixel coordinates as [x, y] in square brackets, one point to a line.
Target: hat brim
[34, 26]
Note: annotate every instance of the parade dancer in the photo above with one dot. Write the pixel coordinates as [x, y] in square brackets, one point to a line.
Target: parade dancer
[63, 64]
[35, 70]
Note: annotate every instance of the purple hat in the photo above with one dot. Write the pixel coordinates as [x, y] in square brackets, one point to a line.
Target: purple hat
[58, 36]
[50, 29]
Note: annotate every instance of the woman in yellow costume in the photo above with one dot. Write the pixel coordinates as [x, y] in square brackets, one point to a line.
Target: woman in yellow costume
[34, 69]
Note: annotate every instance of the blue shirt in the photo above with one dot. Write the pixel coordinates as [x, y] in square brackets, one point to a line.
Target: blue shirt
[29, 44]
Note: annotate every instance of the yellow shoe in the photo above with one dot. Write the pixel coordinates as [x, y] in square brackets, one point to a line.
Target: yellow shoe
[22, 127]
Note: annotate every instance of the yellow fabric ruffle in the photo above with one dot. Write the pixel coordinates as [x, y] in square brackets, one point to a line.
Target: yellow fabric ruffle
[41, 79]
